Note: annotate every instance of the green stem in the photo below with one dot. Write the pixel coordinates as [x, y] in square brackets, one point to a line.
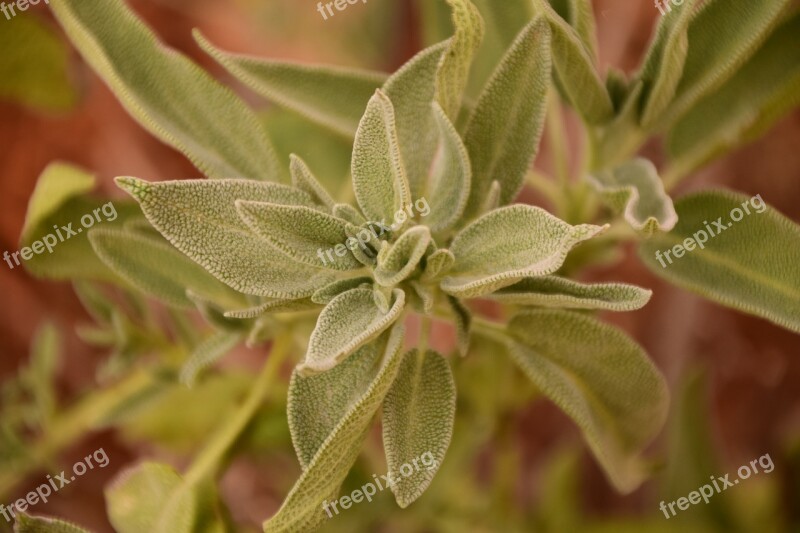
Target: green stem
[557, 136]
[207, 462]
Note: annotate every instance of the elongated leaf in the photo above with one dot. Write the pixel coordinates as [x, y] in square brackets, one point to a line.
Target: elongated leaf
[400, 261]
[412, 90]
[331, 96]
[749, 265]
[39, 524]
[507, 245]
[579, 15]
[318, 403]
[438, 264]
[274, 306]
[207, 353]
[169, 95]
[329, 292]
[379, 175]
[635, 189]
[503, 133]
[200, 219]
[303, 508]
[347, 323]
[661, 84]
[54, 219]
[418, 418]
[153, 497]
[576, 71]
[300, 232]
[765, 88]
[722, 37]
[303, 179]
[451, 80]
[553, 291]
[600, 378]
[158, 269]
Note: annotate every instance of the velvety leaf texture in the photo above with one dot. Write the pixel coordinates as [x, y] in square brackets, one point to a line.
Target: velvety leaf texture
[331, 96]
[303, 179]
[455, 64]
[333, 339]
[503, 133]
[321, 479]
[418, 418]
[749, 265]
[554, 291]
[402, 258]
[635, 189]
[200, 219]
[173, 98]
[507, 245]
[601, 379]
[39, 524]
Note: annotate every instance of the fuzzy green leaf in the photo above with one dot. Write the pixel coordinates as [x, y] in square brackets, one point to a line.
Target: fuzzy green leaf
[153, 497]
[303, 179]
[347, 323]
[760, 93]
[331, 96]
[451, 80]
[750, 265]
[59, 201]
[275, 306]
[576, 70]
[302, 233]
[635, 189]
[503, 133]
[580, 16]
[412, 90]
[438, 264]
[158, 269]
[207, 353]
[39, 524]
[329, 292]
[660, 84]
[463, 321]
[722, 37]
[554, 291]
[324, 474]
[199, 218]
[418, 418]
[402, 258]
[168, 94]
[601, 378]
[507, 245]
[379, 175]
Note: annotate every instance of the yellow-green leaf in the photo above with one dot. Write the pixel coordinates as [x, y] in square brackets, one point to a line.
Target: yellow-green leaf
[554, 291]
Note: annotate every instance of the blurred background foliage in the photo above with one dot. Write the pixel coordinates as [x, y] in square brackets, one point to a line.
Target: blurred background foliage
[515, 464]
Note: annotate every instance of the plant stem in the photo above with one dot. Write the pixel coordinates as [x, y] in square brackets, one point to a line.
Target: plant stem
[556, 136]
[207, 462]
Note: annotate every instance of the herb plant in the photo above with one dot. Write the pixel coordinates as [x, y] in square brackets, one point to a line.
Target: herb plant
[457, 128]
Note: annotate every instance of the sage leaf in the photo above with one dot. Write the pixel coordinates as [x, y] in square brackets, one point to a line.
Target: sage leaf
[303, 508]
[174, 99]
[348, 322]
[379, 176]
[454, 67]
[580, 16]
[300, 232]
[451, 177]
[723, 35]
[303, 179]
[576, 70]
[554, 291]
[750, 265]
[423, 298]
[334, 289]
[463, 321]
[601, 378]
[502, 136]
[274, 306]
[154, 497]
[402, 257]
[158, 269]
[200, 219]
[39, 524]
[418, 418]
[635, 189]
[438, 264]
[762, 91]
[207, 353]
[507, 245]
[412, 91]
